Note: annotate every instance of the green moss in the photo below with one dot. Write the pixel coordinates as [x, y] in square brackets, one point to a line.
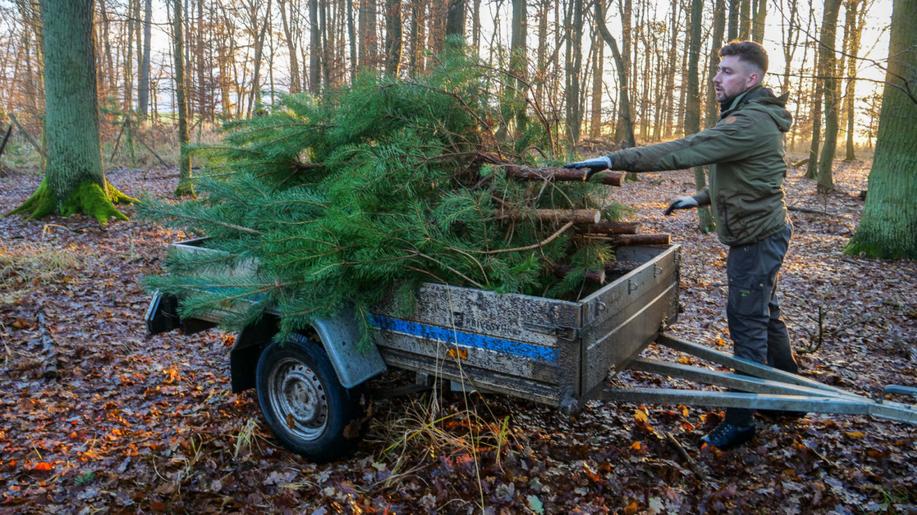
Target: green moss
[88, 198]
[40, 204]
[860, 245]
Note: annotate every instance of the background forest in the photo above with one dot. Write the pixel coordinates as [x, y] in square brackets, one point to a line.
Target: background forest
[239, 56]
[95, 415]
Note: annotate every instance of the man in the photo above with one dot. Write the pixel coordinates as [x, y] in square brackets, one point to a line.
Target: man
[746, 194]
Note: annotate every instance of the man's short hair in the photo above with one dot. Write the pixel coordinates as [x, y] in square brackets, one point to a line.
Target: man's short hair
[747, 51]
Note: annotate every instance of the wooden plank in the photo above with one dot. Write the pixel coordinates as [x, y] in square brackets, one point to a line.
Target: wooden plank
[481, 379]
[515, 317]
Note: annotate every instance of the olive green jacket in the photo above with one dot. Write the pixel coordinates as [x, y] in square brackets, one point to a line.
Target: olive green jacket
[746, 149]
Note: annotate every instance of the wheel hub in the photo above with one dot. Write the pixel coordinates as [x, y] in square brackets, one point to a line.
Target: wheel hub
[298, 398]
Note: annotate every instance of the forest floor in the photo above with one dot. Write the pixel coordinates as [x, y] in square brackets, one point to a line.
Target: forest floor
[95, 415]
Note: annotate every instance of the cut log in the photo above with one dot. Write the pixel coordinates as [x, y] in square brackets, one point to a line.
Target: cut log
[562, 174]
[603, 228]
[577, 216]
[624, 240]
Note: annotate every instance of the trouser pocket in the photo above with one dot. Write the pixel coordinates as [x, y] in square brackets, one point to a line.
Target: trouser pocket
[749, 295]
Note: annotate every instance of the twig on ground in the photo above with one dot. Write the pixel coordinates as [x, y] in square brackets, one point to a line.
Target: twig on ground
[48, 347]
[692, 464]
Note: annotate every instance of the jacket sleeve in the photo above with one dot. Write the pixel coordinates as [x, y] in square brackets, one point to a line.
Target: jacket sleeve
[727, 140]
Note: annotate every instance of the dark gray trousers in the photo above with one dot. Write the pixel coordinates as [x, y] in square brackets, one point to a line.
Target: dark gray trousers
[753, 311]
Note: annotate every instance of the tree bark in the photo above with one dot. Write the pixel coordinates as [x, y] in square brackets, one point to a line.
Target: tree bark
[290, 40]
[315, 50]
[143, 87]
[574, 72]
[692, 107]
[74, 181]
[418, 36]
[392, 37]
[888, 228]
[853, 48]
[185, 185]
[352, 41]
[455, 19]
[624, 109]
[733, 25]
[595, 116]
[828, 68]
[745, 19]
[760, 15]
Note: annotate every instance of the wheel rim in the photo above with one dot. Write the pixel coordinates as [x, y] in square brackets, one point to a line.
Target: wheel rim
[298, 399]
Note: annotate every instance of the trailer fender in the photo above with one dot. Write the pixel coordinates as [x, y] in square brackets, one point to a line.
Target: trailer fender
[339, 336]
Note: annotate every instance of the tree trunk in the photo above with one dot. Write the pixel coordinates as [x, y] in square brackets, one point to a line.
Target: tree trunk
[518, 62]
[828, 69]
[595, 117]
[888, 228]
[290, 40]
[455, 19]
[392, 37]
[476, 26]
[574, 72]
[812, 166]
[352, 43]
[418, 26]
[367, 26]
[733, 31]
[315, 49]
[760, 15]
[143, 87]
[790, 35]
[259, 35]
[712, 115]
[692, 105]
[74, 181]
[542, 52]
[185, 185]
[745, 19]
[853, 48]
[624, 109]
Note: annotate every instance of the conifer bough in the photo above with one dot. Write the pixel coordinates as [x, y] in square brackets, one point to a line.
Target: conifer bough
[372, 190]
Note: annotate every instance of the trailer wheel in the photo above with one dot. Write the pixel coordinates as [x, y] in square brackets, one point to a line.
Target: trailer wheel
[303, 402]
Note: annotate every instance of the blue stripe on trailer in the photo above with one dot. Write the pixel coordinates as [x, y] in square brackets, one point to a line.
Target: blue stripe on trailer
[462, 338]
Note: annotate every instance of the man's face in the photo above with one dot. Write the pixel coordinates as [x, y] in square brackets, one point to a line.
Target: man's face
[734, 76]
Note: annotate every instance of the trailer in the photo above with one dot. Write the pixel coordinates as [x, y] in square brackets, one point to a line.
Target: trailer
[555, 352]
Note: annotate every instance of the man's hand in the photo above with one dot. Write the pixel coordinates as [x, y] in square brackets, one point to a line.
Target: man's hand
[593, 165]
[681, 203]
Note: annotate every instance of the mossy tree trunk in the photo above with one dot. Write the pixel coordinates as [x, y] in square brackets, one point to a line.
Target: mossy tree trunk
[888, 228]
[74, 181]
[185, 186]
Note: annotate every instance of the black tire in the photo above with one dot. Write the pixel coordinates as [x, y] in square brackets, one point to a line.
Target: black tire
[303, 402]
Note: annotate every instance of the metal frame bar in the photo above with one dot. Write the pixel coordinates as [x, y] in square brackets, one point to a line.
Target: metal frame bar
[764, 387]
[727, 379]
[744, 365]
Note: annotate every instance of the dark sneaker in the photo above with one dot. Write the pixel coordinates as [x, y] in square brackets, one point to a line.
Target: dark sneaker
[728, 436]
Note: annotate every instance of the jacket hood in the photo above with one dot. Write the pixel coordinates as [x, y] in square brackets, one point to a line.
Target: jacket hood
[763, 99]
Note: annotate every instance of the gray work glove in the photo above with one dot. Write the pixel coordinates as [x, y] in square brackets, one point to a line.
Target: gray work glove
[681, 203]
[596, 164]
